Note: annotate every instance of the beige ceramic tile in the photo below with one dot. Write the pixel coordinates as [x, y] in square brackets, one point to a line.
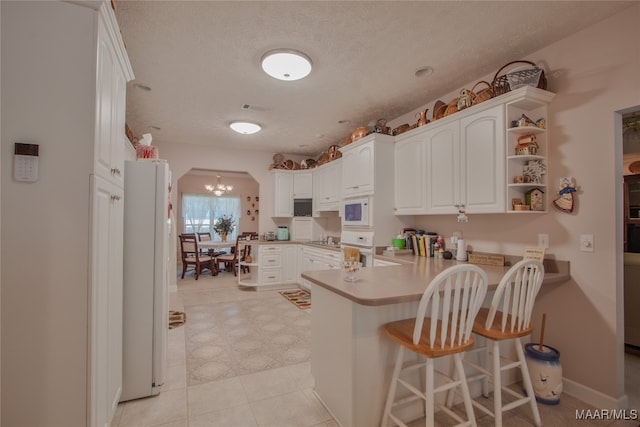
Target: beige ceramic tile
[237, 416]
[168, 406]
[274, 382]
[215, 395]
[176, 377]
[296, 409]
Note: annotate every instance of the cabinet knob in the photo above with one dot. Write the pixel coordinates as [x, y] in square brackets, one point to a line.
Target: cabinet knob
[115, 197]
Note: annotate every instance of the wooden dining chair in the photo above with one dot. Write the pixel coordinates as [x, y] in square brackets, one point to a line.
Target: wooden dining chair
[451, 301]
[507, 319]
[230, 261]
[205, 237]
[191, 256]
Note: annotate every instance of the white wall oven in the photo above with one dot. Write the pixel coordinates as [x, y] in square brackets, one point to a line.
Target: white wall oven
[355, 212]
[363, 241]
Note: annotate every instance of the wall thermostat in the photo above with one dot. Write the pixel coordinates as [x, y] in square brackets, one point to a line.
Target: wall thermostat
[25, 162]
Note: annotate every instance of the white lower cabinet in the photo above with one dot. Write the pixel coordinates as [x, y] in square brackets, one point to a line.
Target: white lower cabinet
[289, 263]
[319, 259]
[276, 264]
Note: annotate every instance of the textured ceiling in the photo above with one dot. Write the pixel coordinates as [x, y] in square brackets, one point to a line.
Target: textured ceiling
[201, 61]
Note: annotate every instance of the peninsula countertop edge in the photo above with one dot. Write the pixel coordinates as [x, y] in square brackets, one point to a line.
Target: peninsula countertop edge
[384, 285]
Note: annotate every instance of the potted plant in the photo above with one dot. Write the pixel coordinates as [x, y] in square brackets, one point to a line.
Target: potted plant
[223, 226]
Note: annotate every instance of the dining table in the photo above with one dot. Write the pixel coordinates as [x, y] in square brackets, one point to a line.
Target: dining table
[214, 244]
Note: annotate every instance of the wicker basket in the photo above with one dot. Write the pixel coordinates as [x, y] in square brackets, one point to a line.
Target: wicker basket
[482, 95]
[438, 110]
[533, 76]
[452, 107]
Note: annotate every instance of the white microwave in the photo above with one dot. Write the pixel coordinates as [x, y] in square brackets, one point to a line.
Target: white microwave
[355, 212]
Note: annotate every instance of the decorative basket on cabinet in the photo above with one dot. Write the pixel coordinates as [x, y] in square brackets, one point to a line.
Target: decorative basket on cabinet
[530, 75]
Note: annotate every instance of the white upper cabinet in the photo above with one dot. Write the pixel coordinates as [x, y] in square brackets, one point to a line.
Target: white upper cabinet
[357, 169]
[327, 181]
[482, 161]
[442, 155]
[110, 110]
[468, 161]
[302, 185]
[283, 194]
[361, 168]
[465, 164]
[410, 171]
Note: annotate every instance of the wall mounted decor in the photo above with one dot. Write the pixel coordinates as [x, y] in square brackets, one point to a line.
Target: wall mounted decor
[566, 201]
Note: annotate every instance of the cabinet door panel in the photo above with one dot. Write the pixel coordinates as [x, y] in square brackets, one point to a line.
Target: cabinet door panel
[283, 190]
[104, 105]
[483, 162]
[410, 177]
[443, 169]
[302, 185]
[357, 171]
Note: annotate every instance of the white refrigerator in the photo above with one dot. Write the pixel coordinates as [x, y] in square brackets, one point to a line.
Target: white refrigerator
[147, 229]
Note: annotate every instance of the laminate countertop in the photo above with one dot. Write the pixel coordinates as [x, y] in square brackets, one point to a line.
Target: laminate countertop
[406, 282]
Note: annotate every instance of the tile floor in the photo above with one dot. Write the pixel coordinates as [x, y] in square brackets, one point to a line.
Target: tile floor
[242, 359]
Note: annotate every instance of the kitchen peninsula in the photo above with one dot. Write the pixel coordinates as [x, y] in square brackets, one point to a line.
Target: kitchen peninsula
[351, 359]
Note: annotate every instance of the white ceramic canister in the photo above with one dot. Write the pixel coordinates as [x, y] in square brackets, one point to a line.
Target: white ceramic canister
[545, 371]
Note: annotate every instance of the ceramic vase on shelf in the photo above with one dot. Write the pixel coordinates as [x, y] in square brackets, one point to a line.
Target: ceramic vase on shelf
[223, 236]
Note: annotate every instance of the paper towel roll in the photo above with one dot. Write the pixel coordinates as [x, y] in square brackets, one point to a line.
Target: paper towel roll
[461, 251]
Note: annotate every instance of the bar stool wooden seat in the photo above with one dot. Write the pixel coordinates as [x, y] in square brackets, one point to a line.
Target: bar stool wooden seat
[507, 319]
[451, 301]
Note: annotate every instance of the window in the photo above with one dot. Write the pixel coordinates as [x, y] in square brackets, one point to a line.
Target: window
[200, 213]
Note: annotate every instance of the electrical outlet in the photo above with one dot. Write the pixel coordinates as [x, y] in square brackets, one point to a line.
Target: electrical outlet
[586, 242]
[543, 240]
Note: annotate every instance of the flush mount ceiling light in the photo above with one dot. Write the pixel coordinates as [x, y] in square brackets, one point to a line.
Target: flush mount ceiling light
[286, 64]
[245, 128]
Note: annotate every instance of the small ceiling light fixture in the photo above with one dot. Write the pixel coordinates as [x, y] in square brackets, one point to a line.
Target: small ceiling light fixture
[245, 128]
[424, 71]
[142, 87]
[286, 64]
[219, 189]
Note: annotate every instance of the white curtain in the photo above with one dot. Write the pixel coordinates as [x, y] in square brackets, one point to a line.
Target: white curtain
[201, 212]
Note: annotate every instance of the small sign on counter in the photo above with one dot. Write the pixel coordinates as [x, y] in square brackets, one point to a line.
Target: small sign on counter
[484, 259]
[536, 253]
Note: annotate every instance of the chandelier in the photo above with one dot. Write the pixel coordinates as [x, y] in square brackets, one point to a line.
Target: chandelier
[219, 189]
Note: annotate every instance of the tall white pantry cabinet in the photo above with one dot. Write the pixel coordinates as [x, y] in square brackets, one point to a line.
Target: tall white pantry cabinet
[64, 75]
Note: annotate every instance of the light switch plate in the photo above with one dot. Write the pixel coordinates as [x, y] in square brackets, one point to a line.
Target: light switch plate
[586, 242]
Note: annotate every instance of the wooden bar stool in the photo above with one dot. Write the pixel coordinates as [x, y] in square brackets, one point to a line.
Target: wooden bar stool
[507, 319]
[452, 299]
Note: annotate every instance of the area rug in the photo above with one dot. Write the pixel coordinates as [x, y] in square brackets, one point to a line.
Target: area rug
[299, 297]
[176, 319]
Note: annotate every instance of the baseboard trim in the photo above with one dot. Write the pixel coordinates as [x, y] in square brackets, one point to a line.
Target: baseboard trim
[593, 397]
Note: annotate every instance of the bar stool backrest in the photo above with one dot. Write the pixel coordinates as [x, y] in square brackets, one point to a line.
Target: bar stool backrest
[452, 301]
[515, 296]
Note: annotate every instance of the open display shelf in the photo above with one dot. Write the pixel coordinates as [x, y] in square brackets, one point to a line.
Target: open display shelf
[527, 172]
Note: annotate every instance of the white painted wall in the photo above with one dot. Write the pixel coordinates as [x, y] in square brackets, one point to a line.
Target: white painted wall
[45, 285]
